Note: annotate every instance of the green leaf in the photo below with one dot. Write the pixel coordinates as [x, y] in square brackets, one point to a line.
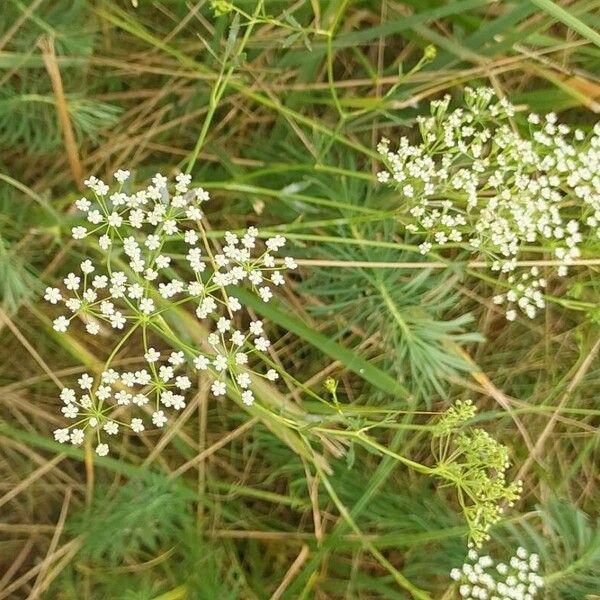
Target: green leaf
[566, 18]
[350, 359]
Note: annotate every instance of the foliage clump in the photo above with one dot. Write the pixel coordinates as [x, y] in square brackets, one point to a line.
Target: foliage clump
[476, 464]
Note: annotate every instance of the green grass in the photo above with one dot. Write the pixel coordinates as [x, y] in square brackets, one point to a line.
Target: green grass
[277, 112]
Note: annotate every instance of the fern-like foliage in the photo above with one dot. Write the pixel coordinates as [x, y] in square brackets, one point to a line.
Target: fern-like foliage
[569, 549]
[143, 516]
[27, 105]
[19, 215]
[29, 119]
[406, 308]
[69, 22]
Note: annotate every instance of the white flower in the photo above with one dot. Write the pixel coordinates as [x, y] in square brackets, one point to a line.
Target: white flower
[68, 395]
[265, 294]
[183, 382]
[479, 579]
[61, 435]
[201, 363]
[52, 295]
[142, 377]
[220, 363]
[70, 411]
[71, 281]
[104, 242]
[128, 379]
[202, 195]
[195, 288]
[158, 418]
[234, 304]
[170, 226]
[137, 425]
[256, 327]
[110, 376]
[100, 281]
[147, 306]
[272, 375]
[183, 181]
[95, 217]
[83, 204]
[165, 373]
[117, 320]
[218, 388]
[177, 401]
[248, 397]
[162, 262]
[262, 344]
[275, 243]
[425, 247]
[102, 449]
[60, 324]
[190, 237]
[135, 291]
[177, 358]
[111, 427]
[73, 304]
[223, 324]
[87, 266]
[152, 355]
[123, 398]
[140, 400]
[115, 219]
[237, 338]
[92, 327]
[77, 437]
[121, 176]
[241, 358]
[90, 295]
[78, 232]
[243, 380]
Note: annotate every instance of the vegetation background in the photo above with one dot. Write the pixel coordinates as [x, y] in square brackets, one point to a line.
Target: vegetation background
[280, 104]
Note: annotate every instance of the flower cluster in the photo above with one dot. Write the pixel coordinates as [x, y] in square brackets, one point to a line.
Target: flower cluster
[476, 464]
[524, 294]
[481, 579]
[156, 257]
[474, 181]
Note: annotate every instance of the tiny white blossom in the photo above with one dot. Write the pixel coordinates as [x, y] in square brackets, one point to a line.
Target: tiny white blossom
[60, 324]
[71, 281]
[61, 435]
[52, 295]
[77, 437]
[218, 388]
[79, 232]
[272, 375]
[102, 449]
[152, 355]
[83, 204]
[201, 363]
[111, 427]
[121, 175]
[248, 397]
[87, 267]
[158, 418]
[262, 344]
[137, 425]
[177, 358]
